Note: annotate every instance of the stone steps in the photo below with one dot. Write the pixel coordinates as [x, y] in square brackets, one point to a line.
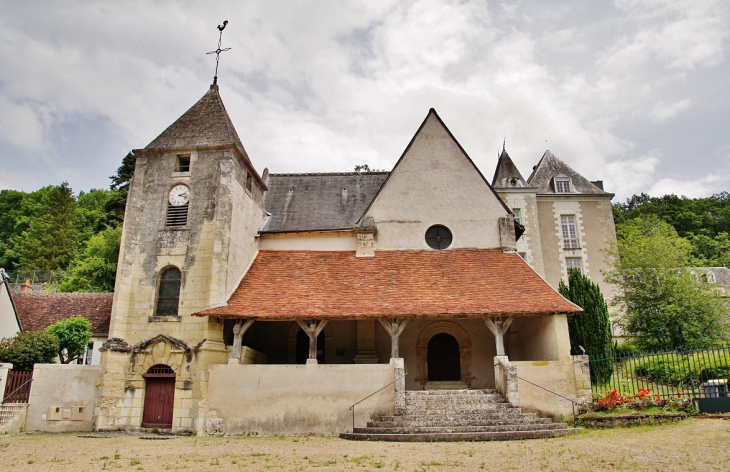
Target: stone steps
[460, 422]
[9, 410]
[458, 415]
[490, 436]
[381, 429]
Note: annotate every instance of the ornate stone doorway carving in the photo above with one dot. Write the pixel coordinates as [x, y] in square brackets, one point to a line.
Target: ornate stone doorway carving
[456, 333]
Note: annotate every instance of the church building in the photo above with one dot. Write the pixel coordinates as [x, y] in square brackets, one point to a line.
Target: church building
[267, 303]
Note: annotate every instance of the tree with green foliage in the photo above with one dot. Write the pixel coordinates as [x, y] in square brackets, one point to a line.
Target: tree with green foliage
[52, 239]
[95, 269]
[116, 204]
[592, 328]
[665, 306]
[702, 221]
[73, 336]
[29, 348]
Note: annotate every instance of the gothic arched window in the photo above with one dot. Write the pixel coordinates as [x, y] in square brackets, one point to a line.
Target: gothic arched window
[168, 295]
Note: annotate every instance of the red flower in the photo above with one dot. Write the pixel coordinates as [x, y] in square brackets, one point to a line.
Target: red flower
[679, 394]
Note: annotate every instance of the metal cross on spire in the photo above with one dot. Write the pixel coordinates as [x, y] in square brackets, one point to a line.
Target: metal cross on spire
[218, 51]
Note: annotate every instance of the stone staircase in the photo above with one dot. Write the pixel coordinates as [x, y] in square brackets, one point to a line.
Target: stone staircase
[458, 415]
[9, 410]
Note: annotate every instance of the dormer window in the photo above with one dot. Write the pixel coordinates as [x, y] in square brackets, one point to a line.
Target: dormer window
[562, 185]
[183, 164]
[711, 278]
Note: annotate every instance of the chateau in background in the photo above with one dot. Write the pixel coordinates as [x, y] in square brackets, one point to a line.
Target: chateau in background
[568, 219]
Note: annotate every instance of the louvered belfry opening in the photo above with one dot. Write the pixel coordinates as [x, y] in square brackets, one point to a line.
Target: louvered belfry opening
[168, 297]
[177, 215]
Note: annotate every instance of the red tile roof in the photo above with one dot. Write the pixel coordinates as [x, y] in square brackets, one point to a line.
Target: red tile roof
[337, 284]
[37, 311]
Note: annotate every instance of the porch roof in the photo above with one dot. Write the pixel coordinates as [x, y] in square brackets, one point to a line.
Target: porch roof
[338, 285]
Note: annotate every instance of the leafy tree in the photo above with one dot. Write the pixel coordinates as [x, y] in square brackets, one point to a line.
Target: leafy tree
[73, 336]
[94, 269]
[29, 348]
[592, 328]
[665, 305]
[115, 206]
[51, 240]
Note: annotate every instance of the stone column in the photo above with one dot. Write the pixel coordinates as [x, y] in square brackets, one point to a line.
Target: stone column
[505, 379]
[366, 353]
[399, 372]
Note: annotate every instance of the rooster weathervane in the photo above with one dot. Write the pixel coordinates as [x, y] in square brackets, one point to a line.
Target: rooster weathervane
[218, 51]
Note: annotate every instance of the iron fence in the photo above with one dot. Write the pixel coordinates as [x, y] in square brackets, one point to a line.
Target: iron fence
[699, 373]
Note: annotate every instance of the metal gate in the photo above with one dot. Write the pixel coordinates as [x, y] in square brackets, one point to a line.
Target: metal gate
[17, 387]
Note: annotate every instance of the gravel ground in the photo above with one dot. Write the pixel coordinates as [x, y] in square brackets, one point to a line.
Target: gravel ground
[696, 444]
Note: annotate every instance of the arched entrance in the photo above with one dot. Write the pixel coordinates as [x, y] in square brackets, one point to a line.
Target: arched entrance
[303, 347]
[443, 358]
[423, 346]
[159, 397]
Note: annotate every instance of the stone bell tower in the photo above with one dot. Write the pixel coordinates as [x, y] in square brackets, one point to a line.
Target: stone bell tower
[194, 207]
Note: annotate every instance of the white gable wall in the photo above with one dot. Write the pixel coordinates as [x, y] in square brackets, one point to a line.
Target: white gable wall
[8, 320]
[435, 183]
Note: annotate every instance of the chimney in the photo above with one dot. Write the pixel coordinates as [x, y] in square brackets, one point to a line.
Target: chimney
[26, 287]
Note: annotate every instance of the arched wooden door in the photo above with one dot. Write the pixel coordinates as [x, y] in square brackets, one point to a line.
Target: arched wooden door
[159, 397]
[443, 358]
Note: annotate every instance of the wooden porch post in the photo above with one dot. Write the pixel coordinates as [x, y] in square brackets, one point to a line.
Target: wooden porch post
[239, 329]
[498, 328]
[394, 328]
[312, 329]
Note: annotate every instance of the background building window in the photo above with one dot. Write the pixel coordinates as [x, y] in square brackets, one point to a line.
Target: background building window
[86, 358]
[168, 297]
[570, 235]
[573, 263]
[562, 185]
[518, 215]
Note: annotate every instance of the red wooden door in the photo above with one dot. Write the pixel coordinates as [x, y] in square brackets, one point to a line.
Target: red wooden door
[158, 402]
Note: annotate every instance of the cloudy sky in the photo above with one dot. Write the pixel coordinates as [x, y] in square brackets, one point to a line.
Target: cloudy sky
[633, 92]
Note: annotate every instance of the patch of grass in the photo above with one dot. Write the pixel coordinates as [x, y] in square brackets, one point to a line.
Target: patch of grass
[134, 462]
[31, 461]
[257, 454]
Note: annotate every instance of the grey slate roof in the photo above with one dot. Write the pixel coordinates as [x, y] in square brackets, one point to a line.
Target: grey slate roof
[722, 274]
[550, 166]
[205, 124]
[506, 174]
[313, 202]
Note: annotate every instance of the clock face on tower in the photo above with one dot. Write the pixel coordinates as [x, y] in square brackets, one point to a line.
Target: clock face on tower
[179, 195]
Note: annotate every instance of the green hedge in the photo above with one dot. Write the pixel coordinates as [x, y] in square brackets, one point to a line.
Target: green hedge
[680, 369]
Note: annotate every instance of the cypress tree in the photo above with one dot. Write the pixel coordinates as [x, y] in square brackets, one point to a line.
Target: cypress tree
[592, 328]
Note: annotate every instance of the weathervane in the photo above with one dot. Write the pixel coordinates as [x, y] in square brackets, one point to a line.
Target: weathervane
[218, 51]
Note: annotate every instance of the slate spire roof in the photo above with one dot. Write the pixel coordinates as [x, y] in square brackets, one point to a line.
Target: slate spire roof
[549, 167]
[506, 174]
[205, 124]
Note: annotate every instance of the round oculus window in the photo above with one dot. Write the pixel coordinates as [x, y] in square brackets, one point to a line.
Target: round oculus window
[438, 237]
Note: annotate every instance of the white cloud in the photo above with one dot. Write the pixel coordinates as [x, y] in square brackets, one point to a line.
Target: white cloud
[322, 86]
[663, 111]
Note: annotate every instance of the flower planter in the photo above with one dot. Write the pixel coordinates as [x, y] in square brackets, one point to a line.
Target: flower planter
[630, 420]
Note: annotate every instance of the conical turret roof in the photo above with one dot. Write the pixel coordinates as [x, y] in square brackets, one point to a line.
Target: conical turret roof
[506, 174]
[205, 124]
